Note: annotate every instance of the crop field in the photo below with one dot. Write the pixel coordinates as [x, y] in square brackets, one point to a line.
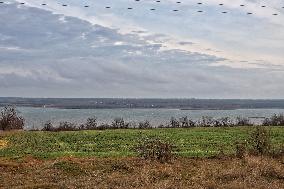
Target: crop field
[192, 142]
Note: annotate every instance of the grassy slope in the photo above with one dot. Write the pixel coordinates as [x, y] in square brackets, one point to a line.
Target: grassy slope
[195, 142]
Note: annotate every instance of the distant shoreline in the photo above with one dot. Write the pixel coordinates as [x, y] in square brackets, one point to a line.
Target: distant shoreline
[132, 103]
[100, 108]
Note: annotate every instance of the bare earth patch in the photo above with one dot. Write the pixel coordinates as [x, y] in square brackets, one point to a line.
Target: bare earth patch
[250, 172]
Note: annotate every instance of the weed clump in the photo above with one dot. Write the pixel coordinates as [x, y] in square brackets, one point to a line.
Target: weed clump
[121, 167]
[9, 119]
[271, 172]
[155, 149]
[69, 167]
[241, 149]
[260, 140]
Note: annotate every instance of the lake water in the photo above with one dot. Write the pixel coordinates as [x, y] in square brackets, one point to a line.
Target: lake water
[36, 117]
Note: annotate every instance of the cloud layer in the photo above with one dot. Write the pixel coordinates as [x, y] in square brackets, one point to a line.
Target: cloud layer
[76, 53]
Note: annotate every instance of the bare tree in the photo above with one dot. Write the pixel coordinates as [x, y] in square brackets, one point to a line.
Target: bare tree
[174, 123]
[9, 119]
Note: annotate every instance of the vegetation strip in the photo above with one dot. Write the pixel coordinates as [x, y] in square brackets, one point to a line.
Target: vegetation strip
[192, 142]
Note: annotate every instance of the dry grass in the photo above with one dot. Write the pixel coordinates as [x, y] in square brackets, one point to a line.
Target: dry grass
[249, 172]
[3, 144]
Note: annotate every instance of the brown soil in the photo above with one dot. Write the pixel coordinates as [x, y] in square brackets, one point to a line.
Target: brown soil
[250, 172]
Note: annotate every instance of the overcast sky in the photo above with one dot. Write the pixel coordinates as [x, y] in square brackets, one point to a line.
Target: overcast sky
[77, 51]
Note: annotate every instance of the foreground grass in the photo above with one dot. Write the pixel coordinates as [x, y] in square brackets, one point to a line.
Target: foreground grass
[193, 142]
[202, 173]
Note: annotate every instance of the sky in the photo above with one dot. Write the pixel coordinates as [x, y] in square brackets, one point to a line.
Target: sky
[76, 51]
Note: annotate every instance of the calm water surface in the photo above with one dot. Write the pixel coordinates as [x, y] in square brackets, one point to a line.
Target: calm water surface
[36, 117]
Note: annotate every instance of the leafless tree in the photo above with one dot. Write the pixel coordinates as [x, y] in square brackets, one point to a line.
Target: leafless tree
[9, 119]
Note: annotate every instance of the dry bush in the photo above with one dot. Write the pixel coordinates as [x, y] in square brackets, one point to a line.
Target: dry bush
[241, 149]
[174, 123]
[9, 119]
[66, 126]
[104, 126]
[275, 120]
[91, 124]
[155, 149]
[185, 122]
[63, 126]
[241, 121]
[48, 126]
[223, 122]
[119, 123]
[161, 126]
[206, 121]
[144, 125]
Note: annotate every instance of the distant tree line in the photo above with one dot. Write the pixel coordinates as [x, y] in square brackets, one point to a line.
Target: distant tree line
[10, 119]
[183, 122]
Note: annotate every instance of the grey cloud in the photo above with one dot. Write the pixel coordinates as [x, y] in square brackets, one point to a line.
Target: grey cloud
[186, 43]
[77, 59]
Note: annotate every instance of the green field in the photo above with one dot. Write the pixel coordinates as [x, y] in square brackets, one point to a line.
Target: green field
[193, 142]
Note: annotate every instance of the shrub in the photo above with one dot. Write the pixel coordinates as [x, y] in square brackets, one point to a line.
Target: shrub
[260, 140]
[174, 123]
[104, 126]
[185, 122]
[91, 124]
[266, 122]
[63, 126]
[155, 149]
[144, 125]
[66, 126]
[9, 119]
[223, 122]
[206, 121]
[241, 121]
[48, 126]
[119, 123]
[275, 120]
[226, 122]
